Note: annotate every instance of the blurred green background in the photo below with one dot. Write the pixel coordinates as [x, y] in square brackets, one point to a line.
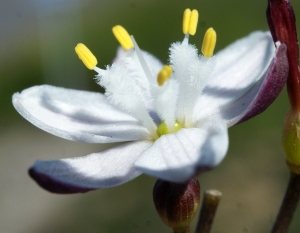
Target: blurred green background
[37, 47]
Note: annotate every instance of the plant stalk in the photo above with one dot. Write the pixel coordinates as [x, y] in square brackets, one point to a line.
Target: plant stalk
[288, 205]
[187, 230]
[209, 207]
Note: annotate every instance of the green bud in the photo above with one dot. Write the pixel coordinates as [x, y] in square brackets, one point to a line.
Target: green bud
[291, 141]
[177, 204]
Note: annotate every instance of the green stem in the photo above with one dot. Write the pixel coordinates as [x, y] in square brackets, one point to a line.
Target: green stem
[209, 206]
[288, 205]
[187, 230]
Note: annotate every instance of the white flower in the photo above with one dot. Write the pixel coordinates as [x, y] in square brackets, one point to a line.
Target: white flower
[172, 127]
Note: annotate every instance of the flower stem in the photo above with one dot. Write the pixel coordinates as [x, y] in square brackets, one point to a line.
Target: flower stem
[187, 230]
[209, 206]
[288, 205]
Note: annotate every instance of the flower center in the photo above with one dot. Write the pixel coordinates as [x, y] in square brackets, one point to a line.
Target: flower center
[163, 128]
[162, 100]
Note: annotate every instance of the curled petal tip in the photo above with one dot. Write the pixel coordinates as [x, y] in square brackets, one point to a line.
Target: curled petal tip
[53, 185]
[262, 95]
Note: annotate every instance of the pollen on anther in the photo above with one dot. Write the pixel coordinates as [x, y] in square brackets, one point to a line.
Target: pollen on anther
[164, 74]
[186, 20]
[86, 56]
[123, 37]
[209, 42]
[193, 22]
[190, 21]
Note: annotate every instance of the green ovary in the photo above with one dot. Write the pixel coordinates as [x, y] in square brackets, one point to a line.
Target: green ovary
[163, 128]
[291, 137]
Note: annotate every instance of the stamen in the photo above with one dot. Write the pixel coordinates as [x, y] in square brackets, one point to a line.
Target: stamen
[86, 56]
[209, 42]
[120, 91]
[181, 56]
[164, 74]
[190, 21]
[123, 37]
[165, 102]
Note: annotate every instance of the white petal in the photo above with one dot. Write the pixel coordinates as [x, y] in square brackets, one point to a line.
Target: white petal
[104, 169]
[255, 43]
[239, 67]
[258, 98]
[77, 115]
[179, 156]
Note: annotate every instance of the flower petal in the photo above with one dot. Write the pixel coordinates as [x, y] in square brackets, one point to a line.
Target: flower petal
[179, 156]
[77, 115]
[239, 67]
[104, 169]
[262, 94]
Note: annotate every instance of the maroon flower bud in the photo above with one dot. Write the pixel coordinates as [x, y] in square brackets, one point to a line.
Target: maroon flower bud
[281, 20]
[177, 204]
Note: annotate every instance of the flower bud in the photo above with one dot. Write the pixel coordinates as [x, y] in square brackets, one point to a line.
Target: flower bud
[282, 24]
[177, 204]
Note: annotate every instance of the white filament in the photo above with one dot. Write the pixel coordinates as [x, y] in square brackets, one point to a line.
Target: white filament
[181, 56]
[142, 61]
[192, 73]
[120, 91]
[165, 102]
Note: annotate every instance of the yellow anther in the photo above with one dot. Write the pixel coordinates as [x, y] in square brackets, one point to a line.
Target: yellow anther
[186, 20]
[123, 37]
[190, 21]
[209, 42]
[86, 56]
[193, 22]
[164, 74]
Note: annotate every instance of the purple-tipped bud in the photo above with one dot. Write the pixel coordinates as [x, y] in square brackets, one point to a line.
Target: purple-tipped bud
[282, 24]
[177, 204]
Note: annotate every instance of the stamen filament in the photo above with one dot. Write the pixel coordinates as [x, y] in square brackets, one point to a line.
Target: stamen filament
[123, 37]
[121, 91]
[100, 72]
[209, 42]
[142, 61]
[86, 56]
